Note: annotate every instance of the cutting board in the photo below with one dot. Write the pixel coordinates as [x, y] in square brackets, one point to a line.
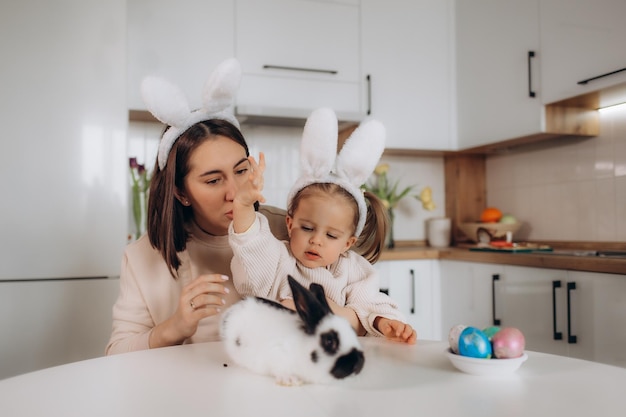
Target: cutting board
[512, 249]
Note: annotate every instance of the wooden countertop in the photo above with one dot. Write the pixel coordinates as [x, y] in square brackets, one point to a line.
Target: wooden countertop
[532, 259]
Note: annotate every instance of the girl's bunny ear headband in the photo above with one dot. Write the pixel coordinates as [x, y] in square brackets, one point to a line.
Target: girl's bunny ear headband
[169, 105]
[350, 169]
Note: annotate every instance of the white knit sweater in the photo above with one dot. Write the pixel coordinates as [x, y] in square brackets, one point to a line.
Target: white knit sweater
[261, 264]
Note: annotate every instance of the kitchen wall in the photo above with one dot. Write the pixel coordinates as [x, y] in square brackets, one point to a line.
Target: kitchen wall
[568, 190]
[281, 146]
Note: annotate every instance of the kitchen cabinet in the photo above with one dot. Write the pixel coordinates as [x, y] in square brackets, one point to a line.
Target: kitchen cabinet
[414, 286]
[501, 79]
[298, 55]
[53, 322]
[581, 40]
[467, 294]
[497, 80]
[407, 62]
[182, 41]
[525, 301]
[573, 313]
[601, 315]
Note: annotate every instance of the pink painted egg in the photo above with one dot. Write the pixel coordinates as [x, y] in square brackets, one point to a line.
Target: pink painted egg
[508, 343]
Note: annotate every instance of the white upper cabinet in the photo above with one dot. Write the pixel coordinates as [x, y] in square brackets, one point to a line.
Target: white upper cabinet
[298, 55]
[515, 58]
[407, 56]
[497, 77]
[581, 40]
[182, 40]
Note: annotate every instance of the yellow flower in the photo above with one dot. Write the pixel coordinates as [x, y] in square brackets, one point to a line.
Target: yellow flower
[426, 197]
[381, 169]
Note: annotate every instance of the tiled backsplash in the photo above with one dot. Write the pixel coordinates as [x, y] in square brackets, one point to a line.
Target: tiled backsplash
[572, 190]
[281, 146]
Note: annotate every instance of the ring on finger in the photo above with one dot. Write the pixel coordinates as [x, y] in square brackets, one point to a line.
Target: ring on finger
[193, 306]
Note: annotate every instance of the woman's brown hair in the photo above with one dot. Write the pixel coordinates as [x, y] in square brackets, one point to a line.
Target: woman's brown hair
[167, 217]
[371, 242]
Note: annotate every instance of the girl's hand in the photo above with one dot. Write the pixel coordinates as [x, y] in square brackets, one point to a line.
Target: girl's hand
[251, 190]
[396, 330]
[202, 297]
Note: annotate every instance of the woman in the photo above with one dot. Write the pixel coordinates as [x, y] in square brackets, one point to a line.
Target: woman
[175, 281]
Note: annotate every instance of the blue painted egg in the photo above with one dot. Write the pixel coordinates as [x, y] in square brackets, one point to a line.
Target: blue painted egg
[474, 343]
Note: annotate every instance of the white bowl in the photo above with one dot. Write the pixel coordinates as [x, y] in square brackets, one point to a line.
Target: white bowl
[491, 230]
[476, 366]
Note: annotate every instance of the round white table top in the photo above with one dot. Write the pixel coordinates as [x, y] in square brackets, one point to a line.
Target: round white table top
[200, 380]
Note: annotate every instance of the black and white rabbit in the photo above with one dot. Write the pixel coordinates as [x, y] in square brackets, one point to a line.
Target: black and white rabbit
[312, 345]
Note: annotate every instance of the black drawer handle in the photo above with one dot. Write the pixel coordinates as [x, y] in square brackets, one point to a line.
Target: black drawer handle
[570, 337]
[531, 55]
[369, 93]
[412, 271]
[325, 71]
[583, 82]
[494, 278]
[555, 335]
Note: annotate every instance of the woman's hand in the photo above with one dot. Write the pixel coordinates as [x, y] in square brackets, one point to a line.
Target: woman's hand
[202, 297]
[396, 330]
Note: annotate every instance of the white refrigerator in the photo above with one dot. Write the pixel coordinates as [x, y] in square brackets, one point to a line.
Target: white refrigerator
[63, 178]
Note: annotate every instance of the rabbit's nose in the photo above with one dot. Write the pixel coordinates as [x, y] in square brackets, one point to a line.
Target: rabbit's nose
[348, 364]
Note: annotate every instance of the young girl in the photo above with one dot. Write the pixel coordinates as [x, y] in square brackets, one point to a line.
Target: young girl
[326, 215]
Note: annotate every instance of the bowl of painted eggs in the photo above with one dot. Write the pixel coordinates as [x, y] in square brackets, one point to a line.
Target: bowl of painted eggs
[490, 351]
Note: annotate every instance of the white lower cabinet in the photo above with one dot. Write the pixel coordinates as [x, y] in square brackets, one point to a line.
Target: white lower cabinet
[525, 300]
[414, 286]
[467, 294]
[571, 313]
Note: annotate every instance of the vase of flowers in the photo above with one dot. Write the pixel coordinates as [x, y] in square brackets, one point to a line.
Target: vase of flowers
[387, 191]
[140, 184]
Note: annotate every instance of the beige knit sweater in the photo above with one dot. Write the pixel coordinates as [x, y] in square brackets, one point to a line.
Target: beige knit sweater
[261, 264]
[149, 295]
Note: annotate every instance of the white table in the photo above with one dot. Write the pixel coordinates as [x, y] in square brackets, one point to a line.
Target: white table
[191, 380]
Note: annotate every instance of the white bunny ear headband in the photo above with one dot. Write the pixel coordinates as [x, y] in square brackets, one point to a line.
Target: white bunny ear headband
[350, 169]
[169, 105]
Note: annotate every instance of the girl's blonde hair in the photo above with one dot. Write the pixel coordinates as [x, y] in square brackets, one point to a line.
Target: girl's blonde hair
[372, 240]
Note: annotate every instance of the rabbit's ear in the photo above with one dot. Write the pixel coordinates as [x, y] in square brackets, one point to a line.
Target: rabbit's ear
[361, 152]
[221, 88]
[165, 101]
[318, 292]
[309, 308]
[318, 148]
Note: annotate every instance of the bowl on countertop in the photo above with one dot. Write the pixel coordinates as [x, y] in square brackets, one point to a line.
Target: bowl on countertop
[476, 366]
[485, 232]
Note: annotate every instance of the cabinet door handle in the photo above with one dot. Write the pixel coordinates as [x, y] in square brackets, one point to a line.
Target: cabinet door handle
[531, 55]
[412, 272]
[570, 337]
[555, 335]
[325, 71]
[369, 93]
[494, 278]
[583, 82]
